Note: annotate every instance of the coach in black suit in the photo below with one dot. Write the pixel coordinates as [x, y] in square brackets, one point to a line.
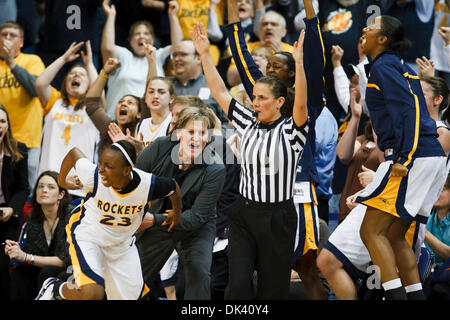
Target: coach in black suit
[201, 185]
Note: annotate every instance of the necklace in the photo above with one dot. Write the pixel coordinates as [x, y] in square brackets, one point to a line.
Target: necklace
[49, 231]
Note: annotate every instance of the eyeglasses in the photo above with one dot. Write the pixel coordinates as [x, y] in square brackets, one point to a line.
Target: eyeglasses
[180, 54]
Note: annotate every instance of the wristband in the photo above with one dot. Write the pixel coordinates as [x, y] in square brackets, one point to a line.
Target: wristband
[32, 259]
[103, 74]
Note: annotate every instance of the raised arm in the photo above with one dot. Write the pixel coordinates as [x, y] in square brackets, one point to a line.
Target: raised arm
[150, 54]
[176, 33]
[300, 110]
[214, 32]
[67, 164]
[43, 82]
[314, 60]
[233, 11]
[94, 102]
[88, 61]
[97, 87]
[108, 44]
[348, 145]
[215, 82]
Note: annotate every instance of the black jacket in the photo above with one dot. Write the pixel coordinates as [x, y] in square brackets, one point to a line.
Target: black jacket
[200, 188]
[15, 190]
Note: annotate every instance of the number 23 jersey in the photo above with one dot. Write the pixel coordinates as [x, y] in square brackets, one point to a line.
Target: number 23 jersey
[106, 216]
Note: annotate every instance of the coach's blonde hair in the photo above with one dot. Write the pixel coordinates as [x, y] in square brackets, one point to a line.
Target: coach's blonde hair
[194, 113]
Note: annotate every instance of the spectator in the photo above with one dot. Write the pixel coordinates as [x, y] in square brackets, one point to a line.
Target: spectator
[326, 141]
[18, 94]
[189, 78]
[158, 98]
[437, 55]
[416, 17]
[131, 78]
[437, 235]
[341, 23]
[41, 250]
[288, 9]
[301, 14]
[154, 11]
[201, 186]
[127, 111]
[359, 152]
[14, 190]
[436, 93]
[444, 32]
[272, 29]
[66, 123]
[246, 13]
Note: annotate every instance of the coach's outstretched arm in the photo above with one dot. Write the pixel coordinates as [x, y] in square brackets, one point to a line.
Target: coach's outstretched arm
[215, 82]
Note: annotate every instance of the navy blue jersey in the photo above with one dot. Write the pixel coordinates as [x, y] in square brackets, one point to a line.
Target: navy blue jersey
[398, 111]
[313, 61]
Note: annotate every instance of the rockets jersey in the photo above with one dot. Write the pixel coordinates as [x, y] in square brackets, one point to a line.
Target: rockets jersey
[107, 216]
[65, 128]
[152, 131]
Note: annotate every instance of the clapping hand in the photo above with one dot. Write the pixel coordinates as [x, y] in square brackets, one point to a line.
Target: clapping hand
[425, 66]
[356, 106]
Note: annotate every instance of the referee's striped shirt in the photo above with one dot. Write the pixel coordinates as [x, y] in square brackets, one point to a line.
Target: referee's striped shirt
[269, 155]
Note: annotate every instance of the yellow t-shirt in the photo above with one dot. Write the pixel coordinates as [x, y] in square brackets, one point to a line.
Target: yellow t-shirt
[25, 112]
[191, 12]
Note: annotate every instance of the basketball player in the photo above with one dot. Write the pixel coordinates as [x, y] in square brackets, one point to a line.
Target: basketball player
[101, 232]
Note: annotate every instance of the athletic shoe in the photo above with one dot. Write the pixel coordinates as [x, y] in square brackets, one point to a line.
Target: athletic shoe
[46, 292]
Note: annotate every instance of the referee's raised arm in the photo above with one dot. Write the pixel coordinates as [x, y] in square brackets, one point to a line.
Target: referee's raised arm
[300, 110]
[218, 88]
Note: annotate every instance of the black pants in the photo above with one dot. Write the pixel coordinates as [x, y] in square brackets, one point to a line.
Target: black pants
[261, 237]
[155, 245]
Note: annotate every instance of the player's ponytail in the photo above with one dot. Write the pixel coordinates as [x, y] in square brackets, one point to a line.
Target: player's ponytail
[393, 29]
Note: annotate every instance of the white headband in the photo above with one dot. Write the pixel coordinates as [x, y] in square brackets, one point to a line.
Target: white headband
[115, 144]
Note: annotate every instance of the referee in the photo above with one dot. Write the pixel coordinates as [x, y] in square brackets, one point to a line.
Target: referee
[262, 222]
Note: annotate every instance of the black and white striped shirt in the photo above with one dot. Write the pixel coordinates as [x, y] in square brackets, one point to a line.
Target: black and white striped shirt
[269, 155]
